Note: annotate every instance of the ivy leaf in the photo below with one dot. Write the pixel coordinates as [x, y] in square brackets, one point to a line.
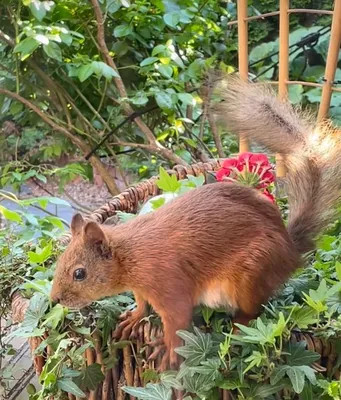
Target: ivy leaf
[55, 316]
[152, 391]
[168, 183]
[299, 355]
[53, 51]
[90, 378]
[68, 386]
[297, 378]
[304, 316]
[169, 379]
[207, 314]
[36, 310]
[123, 30]
[264, 391]
[197, 347]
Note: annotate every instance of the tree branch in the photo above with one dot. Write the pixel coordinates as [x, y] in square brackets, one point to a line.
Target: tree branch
[83, 146]
[153, 143]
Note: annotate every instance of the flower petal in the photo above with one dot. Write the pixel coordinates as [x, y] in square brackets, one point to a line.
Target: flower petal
[222, 173]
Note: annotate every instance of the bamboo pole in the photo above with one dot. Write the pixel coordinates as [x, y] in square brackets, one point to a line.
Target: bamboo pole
[332, 60]
[283, 69]
[243, 55]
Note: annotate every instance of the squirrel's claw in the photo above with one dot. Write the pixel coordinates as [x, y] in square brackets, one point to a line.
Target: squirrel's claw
[128, 327]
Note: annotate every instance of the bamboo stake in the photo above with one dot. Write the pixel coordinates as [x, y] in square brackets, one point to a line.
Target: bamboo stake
[283, 69]
[332, 60]
[243, 55]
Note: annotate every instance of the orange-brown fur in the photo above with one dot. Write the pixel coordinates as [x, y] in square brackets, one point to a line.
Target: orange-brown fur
[221, 243]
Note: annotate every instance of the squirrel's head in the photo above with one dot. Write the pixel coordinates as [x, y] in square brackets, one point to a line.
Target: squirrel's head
[85, 272]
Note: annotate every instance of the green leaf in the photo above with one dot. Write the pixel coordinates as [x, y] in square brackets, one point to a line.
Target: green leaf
[264, 391]
[68, 386]
[307, 393]
[304, 317]
[91, 377]
[158, 49]
[164, 100]
[36, 310]
[56, 222]
[38, 10]
[165, 70]
[16, 107]
[187, 99]
[172, 19]
[102, 69]
[10, 215]
[123, 30]
[197, 180]
[53, 51]
[296, 377]
[158, 203]
[299, 355]
[55, 316]
[197, 346]
[168, 183]
[148, 61]
[295, 93]
[152, 391]
[261, 51]
[85, 71]
[26, 47]
[169, 379]
[207, 314]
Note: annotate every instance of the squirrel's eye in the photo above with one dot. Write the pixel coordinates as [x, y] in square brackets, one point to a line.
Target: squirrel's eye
[79, 274]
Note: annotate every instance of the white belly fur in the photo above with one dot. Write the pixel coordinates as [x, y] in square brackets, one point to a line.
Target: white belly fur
[216, 297]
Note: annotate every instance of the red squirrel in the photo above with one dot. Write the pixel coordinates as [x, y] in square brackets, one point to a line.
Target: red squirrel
[223, 244]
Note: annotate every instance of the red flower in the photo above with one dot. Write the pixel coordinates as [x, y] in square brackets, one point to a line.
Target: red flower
[268, 177]
[254, 160]
[222, 173]
[269, 196]
[245, 156]
[230, 163]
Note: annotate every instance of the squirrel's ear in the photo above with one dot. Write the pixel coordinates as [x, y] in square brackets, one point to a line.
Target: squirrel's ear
[77, 224]
[93, 234]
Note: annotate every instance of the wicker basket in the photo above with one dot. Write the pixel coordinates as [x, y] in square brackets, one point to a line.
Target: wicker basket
[129, 370]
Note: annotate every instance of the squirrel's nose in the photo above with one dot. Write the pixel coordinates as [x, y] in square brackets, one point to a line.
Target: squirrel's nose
[55, 297]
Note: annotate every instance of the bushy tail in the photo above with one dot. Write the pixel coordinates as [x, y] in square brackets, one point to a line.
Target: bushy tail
[312, 152]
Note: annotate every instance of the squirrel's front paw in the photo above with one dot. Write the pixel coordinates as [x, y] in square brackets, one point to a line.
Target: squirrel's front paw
[128, 327]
